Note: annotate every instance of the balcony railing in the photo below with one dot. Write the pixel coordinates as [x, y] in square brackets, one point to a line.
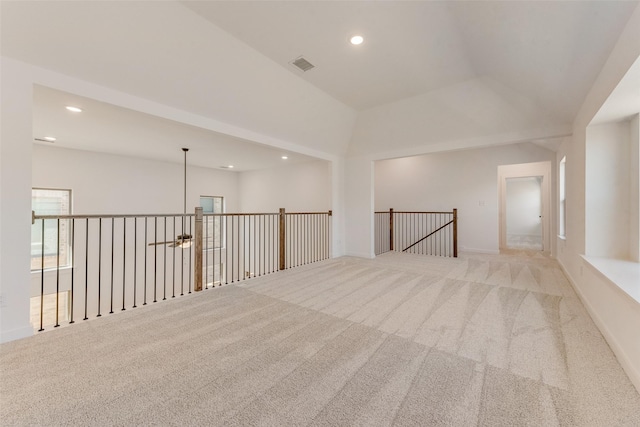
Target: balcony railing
[86, 266]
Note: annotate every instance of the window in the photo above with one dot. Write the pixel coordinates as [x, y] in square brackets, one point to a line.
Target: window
[212, 225]
[213, 240]
[45, 242]
[562, 214]
[211, 204]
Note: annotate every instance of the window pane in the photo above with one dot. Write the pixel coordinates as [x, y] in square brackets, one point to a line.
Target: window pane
[562, 196]
[50, 202]
[206, 203]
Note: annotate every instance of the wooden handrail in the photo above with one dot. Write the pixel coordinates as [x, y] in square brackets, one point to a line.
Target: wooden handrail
[107, 216]
[34, 216]
[411, 212]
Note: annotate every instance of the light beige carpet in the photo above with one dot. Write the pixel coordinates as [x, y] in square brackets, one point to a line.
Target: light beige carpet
[399, 340]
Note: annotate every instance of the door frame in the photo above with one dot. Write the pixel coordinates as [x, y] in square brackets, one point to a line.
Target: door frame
[523, 170]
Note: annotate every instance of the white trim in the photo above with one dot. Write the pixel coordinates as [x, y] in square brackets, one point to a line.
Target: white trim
[16, 334]
[521, 170]
[360, 255]
[625, 275]
[632, 372]
[479, 251]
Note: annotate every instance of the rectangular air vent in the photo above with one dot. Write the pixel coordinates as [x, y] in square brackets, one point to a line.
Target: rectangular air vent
[302, 64]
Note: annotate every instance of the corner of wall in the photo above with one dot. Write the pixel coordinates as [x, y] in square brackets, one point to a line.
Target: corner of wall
[15, 189]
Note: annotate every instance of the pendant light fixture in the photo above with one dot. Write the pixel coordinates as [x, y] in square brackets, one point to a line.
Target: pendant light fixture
[183, 240]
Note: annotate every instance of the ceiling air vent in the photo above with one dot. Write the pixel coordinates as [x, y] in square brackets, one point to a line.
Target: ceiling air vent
[302, 64]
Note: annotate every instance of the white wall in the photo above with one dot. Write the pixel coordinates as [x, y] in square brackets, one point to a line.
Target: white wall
[616, 314]
[359, 207]
[15, 200]
[634, 189]
[110, 184]
[608, 179]
[466, 180]
[298, 187]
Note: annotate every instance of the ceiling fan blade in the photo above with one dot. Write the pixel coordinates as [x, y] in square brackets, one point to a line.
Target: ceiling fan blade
[162, 243]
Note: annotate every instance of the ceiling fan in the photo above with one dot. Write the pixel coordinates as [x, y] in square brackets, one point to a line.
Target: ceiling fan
[182, 240]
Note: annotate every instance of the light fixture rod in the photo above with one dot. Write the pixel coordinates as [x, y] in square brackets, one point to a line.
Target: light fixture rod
[185, 180]
[181, 239]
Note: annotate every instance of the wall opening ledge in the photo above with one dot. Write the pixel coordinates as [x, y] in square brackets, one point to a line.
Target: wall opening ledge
[624, 274]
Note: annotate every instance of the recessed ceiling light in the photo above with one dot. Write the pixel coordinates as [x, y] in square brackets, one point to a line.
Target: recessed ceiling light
[357, 40]
[74, 109]
[49, 138]
[230, 166]
[284, 157]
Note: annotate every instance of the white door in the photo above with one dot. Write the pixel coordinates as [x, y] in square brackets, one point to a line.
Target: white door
[524, 213]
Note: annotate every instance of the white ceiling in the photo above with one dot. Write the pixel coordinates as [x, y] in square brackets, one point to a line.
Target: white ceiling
[548, 51]
[409, 48]
[104, 127]
[230, 61]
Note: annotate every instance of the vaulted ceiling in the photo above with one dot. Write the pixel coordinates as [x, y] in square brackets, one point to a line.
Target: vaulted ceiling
[531, 63]
[548, 51]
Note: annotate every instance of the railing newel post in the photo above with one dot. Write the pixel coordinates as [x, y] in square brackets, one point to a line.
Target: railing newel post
[198, 250]
[282, 243]
[455, 233]
[391, 229]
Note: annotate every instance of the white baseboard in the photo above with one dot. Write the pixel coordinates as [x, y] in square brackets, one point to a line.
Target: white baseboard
[480, 251]
[632, 371]
[360, 255]
[16, 334]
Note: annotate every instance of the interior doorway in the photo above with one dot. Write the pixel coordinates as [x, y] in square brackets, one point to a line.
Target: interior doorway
[524, 213]
[525, 206]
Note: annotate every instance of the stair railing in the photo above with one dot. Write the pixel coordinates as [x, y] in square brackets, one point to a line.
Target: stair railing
[428, 233]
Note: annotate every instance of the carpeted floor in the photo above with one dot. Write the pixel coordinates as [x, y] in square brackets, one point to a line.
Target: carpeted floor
[400, 340]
